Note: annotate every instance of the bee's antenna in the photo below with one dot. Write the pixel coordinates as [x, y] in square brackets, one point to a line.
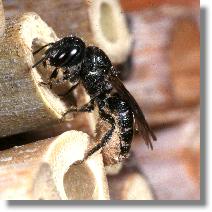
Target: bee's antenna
[41, 60]
[42, 47]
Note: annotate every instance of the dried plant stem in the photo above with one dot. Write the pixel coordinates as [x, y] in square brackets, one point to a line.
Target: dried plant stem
[2, 19]
[45, 170]
[99, 22]
[24, 104]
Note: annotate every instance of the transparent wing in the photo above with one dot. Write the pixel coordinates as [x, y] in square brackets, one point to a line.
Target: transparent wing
[140, 120]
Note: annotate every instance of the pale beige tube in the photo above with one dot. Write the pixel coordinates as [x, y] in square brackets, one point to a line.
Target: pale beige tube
[2, 19]
[24, 104]
[109, 29]
[98, 22]
[45, 170]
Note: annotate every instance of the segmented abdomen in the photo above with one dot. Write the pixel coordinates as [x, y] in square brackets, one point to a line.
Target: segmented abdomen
[125, 121]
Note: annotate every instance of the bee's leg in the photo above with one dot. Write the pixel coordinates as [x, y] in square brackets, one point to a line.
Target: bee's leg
[54, 74]
[106, 117]
[44, 64]
[85, 108]
[49, 83]
[69, 91]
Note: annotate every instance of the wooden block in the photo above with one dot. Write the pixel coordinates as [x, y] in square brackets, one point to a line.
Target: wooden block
[184, 55]
[129, 183]
[173, 167]
[165, 77]
[134, 5]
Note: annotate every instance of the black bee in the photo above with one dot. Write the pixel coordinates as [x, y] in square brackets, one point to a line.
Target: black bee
[91, 67]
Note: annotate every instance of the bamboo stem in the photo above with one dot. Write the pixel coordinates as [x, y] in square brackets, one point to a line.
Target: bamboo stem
[45, 170]
[98, 22]
[129, 184]
[24, 104]
[2, 19]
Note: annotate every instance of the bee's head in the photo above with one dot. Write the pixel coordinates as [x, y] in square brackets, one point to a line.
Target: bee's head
[66, 52]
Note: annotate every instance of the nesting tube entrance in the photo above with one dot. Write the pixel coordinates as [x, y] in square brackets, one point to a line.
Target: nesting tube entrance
[109, 27]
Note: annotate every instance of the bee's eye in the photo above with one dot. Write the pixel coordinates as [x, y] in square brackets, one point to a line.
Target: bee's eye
[75, 55]
[60, 58]
[69, 57]
[74, 51]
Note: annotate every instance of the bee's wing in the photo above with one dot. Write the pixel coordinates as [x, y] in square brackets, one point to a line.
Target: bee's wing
[140, 120]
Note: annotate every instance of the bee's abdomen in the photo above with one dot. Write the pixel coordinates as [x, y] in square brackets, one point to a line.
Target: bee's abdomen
[125, 122]
[124, 117]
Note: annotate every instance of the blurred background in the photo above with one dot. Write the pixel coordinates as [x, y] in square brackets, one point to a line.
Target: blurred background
[165, 79]
[162, 71]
